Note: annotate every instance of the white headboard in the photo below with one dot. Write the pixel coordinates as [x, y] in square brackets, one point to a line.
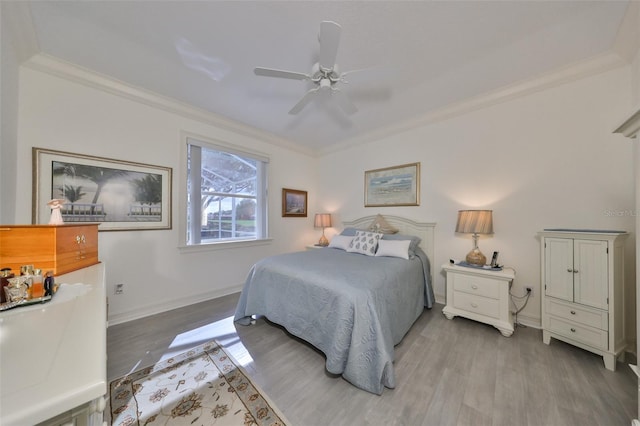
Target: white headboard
[424, 230]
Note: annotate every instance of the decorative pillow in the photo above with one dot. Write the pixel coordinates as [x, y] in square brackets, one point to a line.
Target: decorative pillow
[391, 248]
[412, 246]
[340, 242]
[379, 224]
[365, 243]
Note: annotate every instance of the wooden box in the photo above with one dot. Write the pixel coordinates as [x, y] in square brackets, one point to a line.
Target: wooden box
[57, 248]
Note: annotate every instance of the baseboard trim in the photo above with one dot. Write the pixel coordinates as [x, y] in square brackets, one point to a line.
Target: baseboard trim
[529, 321]
[159, 308]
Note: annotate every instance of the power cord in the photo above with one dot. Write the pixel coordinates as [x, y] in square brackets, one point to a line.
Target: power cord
[518, 310]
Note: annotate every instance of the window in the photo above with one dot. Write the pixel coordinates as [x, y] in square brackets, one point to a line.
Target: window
[226, 194]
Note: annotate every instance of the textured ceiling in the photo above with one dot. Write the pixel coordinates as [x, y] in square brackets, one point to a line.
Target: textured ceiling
[418, 56]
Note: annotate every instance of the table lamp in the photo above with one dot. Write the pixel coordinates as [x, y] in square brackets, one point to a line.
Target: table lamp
[323, 220]
[475, 222]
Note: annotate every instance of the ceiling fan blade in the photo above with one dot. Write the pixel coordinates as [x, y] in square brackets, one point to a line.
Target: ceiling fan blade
[329, 41]
[304, 101]
[270, 72]
[344, 102]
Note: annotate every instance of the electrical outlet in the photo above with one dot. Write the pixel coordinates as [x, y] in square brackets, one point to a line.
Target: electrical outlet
[119, 289]
[529, 291]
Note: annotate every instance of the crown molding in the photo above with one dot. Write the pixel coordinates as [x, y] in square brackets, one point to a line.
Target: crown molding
[630, 127]
[66, 70]
[573, 72]
[74, 73]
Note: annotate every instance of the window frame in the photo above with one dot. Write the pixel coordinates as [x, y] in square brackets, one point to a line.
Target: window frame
[262, 206]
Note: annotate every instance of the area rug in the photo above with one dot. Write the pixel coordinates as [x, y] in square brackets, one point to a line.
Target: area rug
[203, 386]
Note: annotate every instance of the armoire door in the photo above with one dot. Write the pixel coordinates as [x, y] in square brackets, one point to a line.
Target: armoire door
[591, 273]
[559, 268]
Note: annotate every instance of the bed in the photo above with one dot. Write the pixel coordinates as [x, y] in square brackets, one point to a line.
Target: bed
[353, 307]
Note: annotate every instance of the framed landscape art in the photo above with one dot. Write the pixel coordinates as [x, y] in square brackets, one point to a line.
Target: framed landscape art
[392, 186]
[294, 203]
[120, 195]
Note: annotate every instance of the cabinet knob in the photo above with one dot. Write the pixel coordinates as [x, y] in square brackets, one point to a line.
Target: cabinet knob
[569, 270]
[475, 287]
[573, 330]
[575, 271]
[573, 312]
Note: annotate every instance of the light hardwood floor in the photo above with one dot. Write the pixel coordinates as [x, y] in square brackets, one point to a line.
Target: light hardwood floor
[448, 372]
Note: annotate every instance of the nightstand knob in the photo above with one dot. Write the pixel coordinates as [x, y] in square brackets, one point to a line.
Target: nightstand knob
[573, 330]
[474, 305]
[573, 312]
[475, 287]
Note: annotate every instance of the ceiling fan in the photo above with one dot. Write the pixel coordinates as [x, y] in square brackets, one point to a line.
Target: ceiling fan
[324, 73]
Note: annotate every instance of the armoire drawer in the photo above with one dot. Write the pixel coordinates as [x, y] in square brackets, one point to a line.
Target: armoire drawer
[477, 304]
[590, 336]
[577, 313]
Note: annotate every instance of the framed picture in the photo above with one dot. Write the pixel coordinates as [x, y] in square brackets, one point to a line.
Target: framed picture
[294, 203]
[392, 186]
[120, 195]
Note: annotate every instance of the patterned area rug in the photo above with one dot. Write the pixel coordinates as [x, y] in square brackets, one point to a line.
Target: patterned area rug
[203, 386]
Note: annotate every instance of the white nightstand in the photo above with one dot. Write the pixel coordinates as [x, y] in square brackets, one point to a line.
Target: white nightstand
[479, 294]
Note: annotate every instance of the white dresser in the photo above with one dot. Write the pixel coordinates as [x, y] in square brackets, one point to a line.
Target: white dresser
[582, 277]
[53, 355]
[479, 294]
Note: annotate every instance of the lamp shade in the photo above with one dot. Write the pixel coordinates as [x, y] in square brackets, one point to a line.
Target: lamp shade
[474, 222]
[322, 220]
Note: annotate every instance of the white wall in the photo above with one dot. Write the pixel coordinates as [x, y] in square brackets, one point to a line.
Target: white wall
[544, 160]
[59, 114]
[9, 77]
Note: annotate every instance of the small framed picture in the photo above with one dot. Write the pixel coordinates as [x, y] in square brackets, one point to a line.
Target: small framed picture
[294, 203]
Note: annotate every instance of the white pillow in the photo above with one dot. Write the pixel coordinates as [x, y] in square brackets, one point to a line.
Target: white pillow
[393, 248]
[340, 242]
[365, 243]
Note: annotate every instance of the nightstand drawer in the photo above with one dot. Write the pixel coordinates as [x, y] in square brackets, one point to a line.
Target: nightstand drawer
[477, 304]
[480, 286]
[579, 314]
[588, 335]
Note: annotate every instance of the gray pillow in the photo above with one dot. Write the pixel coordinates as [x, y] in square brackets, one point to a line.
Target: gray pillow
[349, 232]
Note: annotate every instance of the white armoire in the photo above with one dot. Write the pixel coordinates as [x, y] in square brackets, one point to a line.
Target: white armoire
[583, 290]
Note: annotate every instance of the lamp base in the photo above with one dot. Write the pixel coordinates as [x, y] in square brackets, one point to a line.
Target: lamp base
[475, 257]
[323, 241]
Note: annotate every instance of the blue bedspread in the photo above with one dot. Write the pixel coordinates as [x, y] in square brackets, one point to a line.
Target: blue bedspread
[354, 308]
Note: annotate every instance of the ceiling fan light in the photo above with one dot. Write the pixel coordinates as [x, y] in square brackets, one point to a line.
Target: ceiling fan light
[325, 84]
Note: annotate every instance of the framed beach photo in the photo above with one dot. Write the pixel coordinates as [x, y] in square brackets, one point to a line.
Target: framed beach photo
[294, 203]
[392, 186]
[120, 195]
